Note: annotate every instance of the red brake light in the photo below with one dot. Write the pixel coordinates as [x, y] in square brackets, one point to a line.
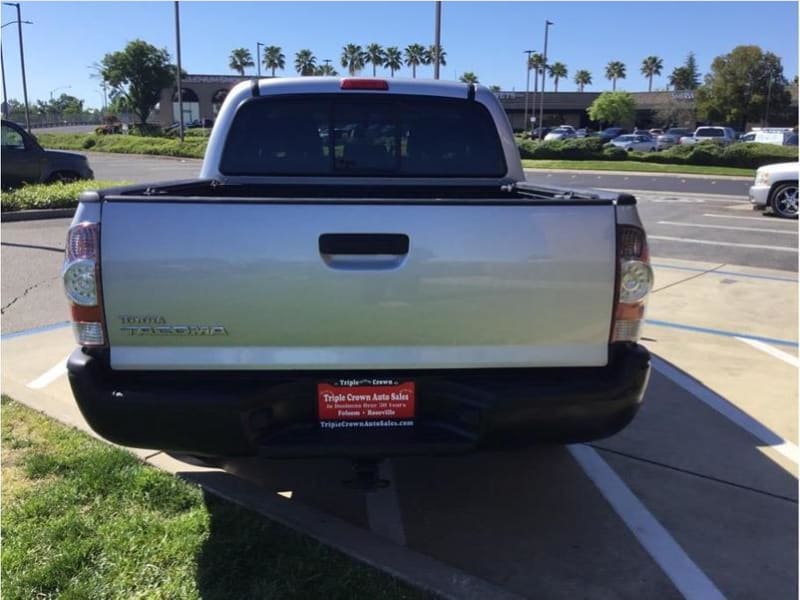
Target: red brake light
[81, 275]
[364, 84]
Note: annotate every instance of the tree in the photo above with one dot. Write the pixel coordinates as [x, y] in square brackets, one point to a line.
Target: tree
[615, 70]
[685, 77]
[469, 77]
[326, 69]
[376, 56]
[676, 111]
[240, 59]
[651, 66]
[494, 88]
[557, 70]
[740, 86]
[394, 59]
[583, 78]
[415, 56]
[434, 54]
[274, 58]
[536, 63]
[305, 63]
[617, 108]
[138, 74]
[353, 58]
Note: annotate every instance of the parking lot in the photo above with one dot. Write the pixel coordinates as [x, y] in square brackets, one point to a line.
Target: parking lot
[697, 498]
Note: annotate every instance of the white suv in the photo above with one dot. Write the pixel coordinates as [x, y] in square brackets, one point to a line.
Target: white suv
[775, 187]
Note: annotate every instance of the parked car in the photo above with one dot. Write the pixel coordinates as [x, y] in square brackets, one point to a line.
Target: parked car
[722, 135]
[288, 315]
[655, 132]
[777, 136]
[561, 133]
[584, 132]
[775, 187]
[671, 137]
[25, 161]
[544, 131]
[610, 133]
[634, 141]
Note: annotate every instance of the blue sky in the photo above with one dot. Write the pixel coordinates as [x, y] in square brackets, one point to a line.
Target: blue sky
[487, 38]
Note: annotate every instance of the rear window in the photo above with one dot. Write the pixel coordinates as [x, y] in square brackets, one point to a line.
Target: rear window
[363, 135]
[709, 132]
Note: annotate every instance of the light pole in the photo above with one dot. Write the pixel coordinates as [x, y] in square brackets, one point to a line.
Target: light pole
[437, 39]
[19, 23]
[527, 85]
[769, 95]
[5, 96]
[178, 72]
[544, 78]
[258, 57]
[63, 87]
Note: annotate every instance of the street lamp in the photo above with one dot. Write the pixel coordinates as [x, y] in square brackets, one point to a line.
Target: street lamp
[527, 84]
[258, 57]
[63, 87]
[544, 78]
[178, 70]
[437, 39]
[19, 23]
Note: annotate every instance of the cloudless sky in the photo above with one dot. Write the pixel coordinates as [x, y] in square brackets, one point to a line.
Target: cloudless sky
[487, 38]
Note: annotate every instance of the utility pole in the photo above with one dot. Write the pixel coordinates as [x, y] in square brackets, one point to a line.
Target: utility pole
[178, 74]
[438, 39]
[5, 96]
[526, 125]
[258, 57]
[22, 64]
[769, 96]
[544, 78]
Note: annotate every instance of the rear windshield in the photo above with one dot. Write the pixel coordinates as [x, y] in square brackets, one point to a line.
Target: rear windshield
[709, 132]
[363, 135]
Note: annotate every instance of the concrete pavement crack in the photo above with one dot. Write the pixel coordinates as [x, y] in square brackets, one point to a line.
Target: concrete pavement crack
[674, 283]
[26, 292]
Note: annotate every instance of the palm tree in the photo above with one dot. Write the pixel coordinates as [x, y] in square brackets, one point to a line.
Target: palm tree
[433, 52]
[536, 63]
[415, 56]
[241, 59]
[393, 59]
[494, 88]
[305, 63]
[274, 58]
[615, 70]
[354, 58]
[557, 71]
[376, 56]
[469, 77]
[582, 78]
[326, 69]
[651, 65]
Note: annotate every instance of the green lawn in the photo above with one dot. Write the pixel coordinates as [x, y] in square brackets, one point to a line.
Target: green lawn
[634, 166]
[82, 519]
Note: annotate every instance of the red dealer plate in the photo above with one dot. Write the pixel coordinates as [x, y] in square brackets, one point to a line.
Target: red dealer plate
[366, 400]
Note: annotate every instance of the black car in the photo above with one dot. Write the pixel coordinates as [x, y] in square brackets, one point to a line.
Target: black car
[610, 133]
[25, 161]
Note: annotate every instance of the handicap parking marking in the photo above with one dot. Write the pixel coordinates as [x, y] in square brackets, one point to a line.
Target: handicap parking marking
[656, 540]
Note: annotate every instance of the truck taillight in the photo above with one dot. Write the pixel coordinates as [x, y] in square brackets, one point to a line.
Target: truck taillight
[81, 277]
[635, 280]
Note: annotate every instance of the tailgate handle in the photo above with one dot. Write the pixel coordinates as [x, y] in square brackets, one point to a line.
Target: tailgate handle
[363, 243]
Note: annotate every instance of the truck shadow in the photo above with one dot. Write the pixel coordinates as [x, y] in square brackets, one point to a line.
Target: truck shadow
[534, 523]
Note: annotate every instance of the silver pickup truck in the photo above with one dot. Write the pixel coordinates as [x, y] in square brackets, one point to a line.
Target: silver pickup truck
[361, 270]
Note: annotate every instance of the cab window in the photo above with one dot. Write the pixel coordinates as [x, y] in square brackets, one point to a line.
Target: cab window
[12, 139]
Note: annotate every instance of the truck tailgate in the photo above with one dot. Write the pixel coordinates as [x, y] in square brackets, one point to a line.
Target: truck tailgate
[286, 285]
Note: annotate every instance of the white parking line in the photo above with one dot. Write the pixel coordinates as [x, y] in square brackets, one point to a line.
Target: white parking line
[761, 219]
[655, 539]
[710, 243]
[728, 410]
[728, 227]
[779, 354]
[50, 375]
[383, 508]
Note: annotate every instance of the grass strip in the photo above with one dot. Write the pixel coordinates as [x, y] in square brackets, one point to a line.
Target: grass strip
[50, 195]
[82, 519]
[194, 146]
[634, 166]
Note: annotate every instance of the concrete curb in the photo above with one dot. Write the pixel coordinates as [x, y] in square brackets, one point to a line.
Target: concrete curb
[642, 174]
[37, 215]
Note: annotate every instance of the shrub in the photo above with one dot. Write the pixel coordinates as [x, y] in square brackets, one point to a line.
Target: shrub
[705, 155]
[50, 195]
[614, 153]
[89, 142]
[192, 147]
[752, 155]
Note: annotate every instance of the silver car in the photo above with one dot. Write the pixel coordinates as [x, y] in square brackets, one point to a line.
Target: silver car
[561, 133]
[671, 137]
[635, 141]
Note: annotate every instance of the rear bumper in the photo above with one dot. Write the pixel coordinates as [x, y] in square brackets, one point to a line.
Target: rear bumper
[273, 414]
